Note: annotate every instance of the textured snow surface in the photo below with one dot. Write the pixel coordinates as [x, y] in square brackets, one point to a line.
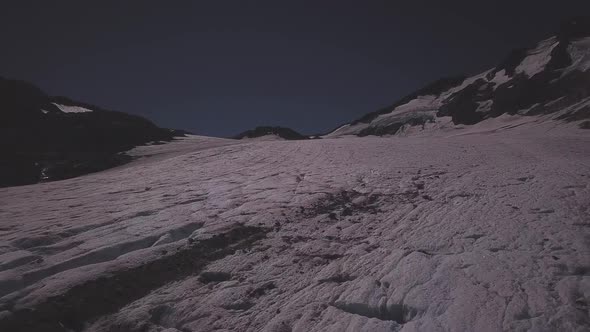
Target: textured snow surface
[484, 228]
[72, 109]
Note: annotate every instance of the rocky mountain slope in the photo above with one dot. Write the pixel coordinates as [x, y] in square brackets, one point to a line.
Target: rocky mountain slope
[552, 77]
[48, 138]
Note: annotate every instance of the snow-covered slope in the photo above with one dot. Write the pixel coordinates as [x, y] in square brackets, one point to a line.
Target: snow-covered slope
[553, 77]
[483, 228]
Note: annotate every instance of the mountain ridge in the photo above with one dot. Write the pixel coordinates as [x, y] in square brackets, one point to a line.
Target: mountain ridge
[280, 132]
[549, 78]
[46, 138]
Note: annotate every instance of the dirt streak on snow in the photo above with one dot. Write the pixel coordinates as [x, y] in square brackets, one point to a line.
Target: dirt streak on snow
[483, 228]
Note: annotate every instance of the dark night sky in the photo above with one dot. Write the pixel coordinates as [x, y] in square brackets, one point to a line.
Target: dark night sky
[219, 67]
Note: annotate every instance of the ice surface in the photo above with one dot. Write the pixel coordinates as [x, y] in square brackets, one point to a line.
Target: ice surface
[470, 228]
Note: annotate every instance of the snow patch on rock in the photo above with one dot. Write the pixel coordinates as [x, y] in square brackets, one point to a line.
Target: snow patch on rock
[538, 58]
[72, 109]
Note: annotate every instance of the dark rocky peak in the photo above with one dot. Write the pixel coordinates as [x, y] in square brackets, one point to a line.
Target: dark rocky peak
[510, 63]
[49, 138]
[19, 100]
[282, 132]
[575, 28]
